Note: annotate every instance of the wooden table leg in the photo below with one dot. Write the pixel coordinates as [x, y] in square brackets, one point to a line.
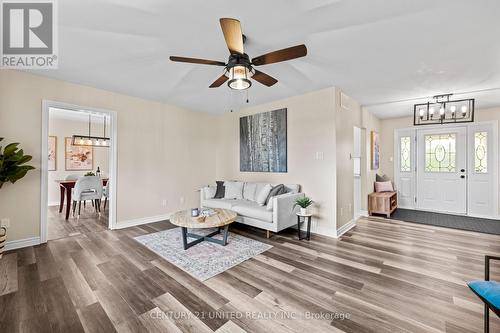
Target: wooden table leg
[68, 201]
[61, 203]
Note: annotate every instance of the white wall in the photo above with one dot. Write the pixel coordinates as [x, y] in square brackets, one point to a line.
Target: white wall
[165, 153]
[63, 125]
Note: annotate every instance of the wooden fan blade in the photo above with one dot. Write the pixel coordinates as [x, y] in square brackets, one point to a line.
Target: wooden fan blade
[217, 83]
[281, 55]
[197, 61]
[231, 29]
[264, 78]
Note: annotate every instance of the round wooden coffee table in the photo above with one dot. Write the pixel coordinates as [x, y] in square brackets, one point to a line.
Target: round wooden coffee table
[222, 219]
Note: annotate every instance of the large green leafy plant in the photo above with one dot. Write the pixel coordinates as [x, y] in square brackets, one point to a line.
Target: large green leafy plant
[12, 163]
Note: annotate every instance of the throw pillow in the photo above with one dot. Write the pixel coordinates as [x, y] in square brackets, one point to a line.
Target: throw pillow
[234, 190]
[276, 190]
[209, 192]
[384, 187]
[219, 193]
[261, 197]
[249, 191]
[383, 178]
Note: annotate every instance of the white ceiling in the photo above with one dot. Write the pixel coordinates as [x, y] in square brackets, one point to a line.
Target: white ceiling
[377, 51]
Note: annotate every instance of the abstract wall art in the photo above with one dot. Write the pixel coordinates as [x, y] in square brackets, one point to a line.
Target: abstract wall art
[263, 142]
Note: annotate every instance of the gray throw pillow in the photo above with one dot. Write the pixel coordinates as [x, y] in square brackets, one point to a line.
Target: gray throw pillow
[277, 190]
[383, 178]
[221, 190]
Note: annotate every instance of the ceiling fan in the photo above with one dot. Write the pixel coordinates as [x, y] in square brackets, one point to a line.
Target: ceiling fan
[239, 68]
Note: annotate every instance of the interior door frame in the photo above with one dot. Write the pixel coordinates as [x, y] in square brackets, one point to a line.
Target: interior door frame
[46, 105]
[468, 126]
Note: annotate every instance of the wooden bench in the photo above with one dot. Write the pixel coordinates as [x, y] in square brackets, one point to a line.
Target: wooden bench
[382, 203]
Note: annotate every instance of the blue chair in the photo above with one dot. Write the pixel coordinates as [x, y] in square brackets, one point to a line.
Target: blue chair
[488, 291]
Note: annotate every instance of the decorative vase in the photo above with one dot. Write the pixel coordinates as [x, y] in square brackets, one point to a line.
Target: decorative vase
[303, 211]
[3, 237]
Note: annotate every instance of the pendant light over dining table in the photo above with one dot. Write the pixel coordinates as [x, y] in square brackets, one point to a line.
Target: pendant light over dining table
[91, 140]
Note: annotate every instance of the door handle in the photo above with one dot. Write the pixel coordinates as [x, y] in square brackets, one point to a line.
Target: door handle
[462, 176]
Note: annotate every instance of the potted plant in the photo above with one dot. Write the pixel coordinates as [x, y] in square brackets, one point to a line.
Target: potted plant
[12, 168]
[303, 203]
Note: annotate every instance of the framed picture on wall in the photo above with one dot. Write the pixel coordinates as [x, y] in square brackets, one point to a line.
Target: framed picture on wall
[78, 158]
[375, 150]
[52, 153]
[263, 142]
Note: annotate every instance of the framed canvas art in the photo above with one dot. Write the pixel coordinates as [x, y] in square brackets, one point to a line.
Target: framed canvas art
[263, 142]
[375, 150]
[78, 158]
[52, 149]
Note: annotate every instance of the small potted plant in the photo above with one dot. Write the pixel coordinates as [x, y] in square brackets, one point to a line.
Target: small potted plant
[12, 168]
[303, 203]
[89, 174]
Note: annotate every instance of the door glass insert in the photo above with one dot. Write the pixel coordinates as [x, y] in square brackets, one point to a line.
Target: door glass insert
[405, 151]
[481, 152]
[440, 152]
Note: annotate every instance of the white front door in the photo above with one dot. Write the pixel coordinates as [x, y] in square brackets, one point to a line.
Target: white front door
[442, 170]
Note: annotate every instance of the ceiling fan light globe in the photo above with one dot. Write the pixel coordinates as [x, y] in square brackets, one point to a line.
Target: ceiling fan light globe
[239, 84]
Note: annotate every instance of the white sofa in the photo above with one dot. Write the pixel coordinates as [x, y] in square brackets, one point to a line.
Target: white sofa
[276, 218]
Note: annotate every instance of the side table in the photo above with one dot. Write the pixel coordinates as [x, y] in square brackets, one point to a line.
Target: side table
[304, 218]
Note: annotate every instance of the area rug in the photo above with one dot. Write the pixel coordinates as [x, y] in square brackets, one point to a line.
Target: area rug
[448, 221]
[203, 260]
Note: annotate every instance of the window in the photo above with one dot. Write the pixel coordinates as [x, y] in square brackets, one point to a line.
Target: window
[440, 152]
[481, 152]
[405, 152]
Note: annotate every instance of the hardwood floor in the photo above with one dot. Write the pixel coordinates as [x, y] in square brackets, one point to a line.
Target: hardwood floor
[382, 276]
[89, 221]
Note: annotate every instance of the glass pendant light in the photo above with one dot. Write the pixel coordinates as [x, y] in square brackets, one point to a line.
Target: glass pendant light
[239, 77]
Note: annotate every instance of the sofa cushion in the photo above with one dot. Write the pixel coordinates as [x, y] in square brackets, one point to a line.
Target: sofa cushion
[262, 195]
[209, 192]
[234, 190]
[253, 210]
[292, 188]
[249, 191]
[219, 203]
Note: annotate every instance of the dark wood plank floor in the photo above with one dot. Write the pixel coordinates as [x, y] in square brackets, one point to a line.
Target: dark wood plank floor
[382, 276]
[89, 221]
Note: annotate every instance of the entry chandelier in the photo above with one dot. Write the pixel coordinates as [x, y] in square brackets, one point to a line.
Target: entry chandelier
[90, 140]
[444, 111]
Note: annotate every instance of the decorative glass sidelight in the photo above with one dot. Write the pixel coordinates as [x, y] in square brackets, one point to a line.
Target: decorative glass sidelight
[481, 152]
[405, 153]
[440, 152]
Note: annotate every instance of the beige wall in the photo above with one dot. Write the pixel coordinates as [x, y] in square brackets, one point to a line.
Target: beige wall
[370, 123]
[311, 130]
[160, 149]
[346, 119]
[389, 125]
[62, 128]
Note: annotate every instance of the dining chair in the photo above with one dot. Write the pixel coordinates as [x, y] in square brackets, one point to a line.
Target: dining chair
[106, 194]
[72, 177]
[488, 291]
[87, 188]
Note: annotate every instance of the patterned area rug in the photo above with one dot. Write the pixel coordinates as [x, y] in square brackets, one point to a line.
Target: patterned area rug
[204, 260]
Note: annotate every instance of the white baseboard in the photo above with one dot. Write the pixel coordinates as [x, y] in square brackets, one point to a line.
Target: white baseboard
[363, 213]
[54, 203]
[345, 228]
[142, 220]
[20, 243]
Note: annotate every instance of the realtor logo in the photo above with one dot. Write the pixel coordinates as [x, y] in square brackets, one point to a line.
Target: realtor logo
[28, 34]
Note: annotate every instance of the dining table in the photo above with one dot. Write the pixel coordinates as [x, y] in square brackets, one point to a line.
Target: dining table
[65, 187]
